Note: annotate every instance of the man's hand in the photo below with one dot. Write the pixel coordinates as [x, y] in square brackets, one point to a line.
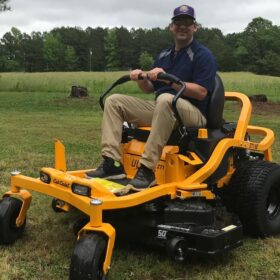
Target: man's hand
[135, 74]
[152, 74]
[144, 84]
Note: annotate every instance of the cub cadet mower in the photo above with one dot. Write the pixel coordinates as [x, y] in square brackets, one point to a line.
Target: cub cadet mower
[212, 184]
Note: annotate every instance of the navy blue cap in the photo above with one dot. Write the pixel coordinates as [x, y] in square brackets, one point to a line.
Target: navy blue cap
[184, 10]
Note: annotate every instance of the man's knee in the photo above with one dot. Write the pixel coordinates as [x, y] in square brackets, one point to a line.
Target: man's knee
[164, 100]
[113, 99]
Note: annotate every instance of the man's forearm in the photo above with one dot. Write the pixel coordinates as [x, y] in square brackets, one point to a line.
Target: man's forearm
[193, 91]
[145, 85]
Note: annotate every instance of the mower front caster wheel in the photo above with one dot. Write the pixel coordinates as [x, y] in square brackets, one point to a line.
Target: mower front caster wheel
[55, 205]
[177, 249]
[88, 258]
[9, 211]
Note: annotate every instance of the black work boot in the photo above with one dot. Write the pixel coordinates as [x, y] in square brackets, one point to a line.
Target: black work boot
[144, 178]
[108, 169]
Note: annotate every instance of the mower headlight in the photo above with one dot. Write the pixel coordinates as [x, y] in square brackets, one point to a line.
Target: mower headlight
[80, 189]
[44, 177]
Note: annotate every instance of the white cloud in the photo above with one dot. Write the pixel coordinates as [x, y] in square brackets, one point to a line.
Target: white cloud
[43, 15]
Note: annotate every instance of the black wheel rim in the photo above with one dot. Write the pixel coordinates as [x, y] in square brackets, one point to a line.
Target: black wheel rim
[273, 202]
[179, 253]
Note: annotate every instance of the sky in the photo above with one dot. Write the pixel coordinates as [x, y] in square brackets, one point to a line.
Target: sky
[43, 15]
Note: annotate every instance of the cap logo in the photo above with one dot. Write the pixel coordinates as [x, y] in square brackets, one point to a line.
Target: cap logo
[184, 8]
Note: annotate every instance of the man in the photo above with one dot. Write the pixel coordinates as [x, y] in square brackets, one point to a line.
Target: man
[189, 61]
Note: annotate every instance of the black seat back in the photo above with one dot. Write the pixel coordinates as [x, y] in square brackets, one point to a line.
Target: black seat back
[216, 105]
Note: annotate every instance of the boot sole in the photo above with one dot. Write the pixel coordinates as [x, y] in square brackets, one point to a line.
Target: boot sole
[152, 184]
[112, 177]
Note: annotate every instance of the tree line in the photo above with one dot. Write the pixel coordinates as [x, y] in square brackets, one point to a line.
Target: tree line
[256, 49]
[3, 5]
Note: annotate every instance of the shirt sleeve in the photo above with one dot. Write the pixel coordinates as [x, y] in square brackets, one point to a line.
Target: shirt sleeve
[204, 70]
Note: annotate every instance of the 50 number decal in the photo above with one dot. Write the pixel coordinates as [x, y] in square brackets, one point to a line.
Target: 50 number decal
[162, 234]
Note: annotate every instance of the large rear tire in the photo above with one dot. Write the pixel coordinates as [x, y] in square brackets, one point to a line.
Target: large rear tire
[88, 258]
[230, 192]
[258, 199]
[9, 211]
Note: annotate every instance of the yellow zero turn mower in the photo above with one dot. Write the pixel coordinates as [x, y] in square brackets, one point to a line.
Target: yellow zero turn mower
[213, 184]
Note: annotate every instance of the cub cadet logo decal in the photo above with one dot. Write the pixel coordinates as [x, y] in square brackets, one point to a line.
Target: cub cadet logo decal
[250, 146]
[196, 194]
[135, 163]
[59, 182]
[253, 146]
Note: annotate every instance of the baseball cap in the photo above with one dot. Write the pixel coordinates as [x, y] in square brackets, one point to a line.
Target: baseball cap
[184, 10]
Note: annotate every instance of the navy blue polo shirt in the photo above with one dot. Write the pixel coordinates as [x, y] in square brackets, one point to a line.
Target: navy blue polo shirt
[193, 63]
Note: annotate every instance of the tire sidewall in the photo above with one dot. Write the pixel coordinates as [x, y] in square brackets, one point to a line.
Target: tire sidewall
[270, 225]
[88, 257]
[9, 211]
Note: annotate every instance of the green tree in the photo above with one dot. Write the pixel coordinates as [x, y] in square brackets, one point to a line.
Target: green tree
[259, 46]
[96, 42]
[139, 45]
[145, 60]
[258, 24]
[112, 50]
[4, 6]
[125, 49]
[54, 51]
[12, 50]
[78, 39]
[70, 58]
[36, 52]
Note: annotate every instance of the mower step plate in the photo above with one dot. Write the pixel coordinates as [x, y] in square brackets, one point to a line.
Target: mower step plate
[202, 240]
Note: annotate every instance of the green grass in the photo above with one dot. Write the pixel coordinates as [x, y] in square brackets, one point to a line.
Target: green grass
[38, 111]
[96, 82]
[252, 84]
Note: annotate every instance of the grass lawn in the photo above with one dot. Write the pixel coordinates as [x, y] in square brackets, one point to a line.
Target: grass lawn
[34, 110]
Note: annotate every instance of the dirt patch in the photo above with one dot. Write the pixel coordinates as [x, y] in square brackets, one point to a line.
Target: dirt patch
[266, 108]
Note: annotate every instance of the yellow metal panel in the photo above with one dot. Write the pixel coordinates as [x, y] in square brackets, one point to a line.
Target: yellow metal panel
[60, 160]
[175, 170]
[192, 159]
[245, 113]
[203, 133]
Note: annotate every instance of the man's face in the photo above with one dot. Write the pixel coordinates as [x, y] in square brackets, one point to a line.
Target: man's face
[183, 28]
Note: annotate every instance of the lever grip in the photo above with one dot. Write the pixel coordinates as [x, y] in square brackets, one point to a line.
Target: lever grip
[168, 77]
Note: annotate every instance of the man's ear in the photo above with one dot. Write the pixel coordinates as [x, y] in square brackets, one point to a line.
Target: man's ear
[171, 26]
[195, 27]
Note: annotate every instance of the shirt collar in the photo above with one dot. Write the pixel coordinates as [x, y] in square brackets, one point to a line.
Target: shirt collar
[193, 42]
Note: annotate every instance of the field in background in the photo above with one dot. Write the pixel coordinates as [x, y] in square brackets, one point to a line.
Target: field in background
[247, 83]
[34, 110]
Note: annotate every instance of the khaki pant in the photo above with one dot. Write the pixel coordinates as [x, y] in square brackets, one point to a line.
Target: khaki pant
[157, 114]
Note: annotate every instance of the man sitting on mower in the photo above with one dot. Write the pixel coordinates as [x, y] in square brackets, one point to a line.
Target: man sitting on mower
[189, 61]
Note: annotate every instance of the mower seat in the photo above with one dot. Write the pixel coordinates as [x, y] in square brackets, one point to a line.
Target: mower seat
[216, 105]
